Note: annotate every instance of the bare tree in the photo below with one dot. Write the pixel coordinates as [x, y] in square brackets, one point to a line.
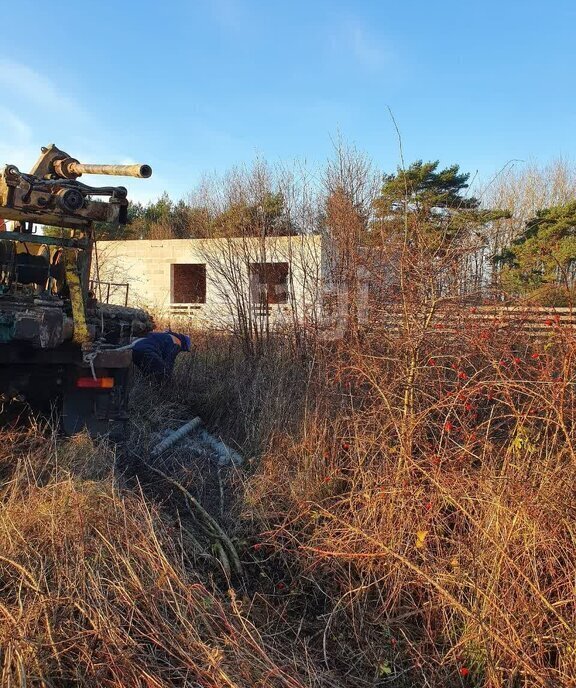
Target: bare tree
[524, 190]
[350, 187]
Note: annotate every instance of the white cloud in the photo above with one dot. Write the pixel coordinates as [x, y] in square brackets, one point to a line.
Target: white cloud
[16, 141]
[14, 127]
[367, 50]
[39, 112]
[19, 79]
[353, 39]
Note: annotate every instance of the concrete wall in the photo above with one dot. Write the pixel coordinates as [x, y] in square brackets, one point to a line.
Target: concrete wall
[147, 266]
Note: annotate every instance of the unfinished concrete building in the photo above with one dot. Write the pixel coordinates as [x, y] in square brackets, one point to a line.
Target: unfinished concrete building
[221, 282]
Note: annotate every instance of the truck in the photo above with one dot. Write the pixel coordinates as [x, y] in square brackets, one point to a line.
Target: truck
[61, 348]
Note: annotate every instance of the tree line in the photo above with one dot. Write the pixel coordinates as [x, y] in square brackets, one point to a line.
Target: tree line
[517, 235]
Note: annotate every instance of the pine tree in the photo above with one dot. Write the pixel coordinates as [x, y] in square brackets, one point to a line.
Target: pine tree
[430, 205]
[542, 260]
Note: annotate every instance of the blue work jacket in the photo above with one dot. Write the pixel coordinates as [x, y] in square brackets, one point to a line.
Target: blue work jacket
[156, 354]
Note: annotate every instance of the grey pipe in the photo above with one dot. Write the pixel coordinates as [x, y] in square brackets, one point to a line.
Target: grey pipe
[226, 455]
[176, 435]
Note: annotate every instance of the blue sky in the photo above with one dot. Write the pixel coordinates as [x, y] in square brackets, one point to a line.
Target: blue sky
[200, 85]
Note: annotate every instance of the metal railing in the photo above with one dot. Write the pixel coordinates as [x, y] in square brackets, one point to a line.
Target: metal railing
[98, 288]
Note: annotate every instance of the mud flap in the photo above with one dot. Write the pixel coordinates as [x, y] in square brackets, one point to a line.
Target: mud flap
[97, 411]
[85, 410]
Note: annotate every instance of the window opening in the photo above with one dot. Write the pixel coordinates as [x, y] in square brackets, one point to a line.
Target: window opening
[188, 283]
[269, 283]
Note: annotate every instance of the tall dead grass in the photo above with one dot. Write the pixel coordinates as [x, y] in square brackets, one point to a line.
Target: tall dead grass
[418, 527]
[406, 517]
[96, 588]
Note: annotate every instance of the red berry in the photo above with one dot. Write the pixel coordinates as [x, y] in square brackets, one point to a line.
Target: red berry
[345, 446]
[431, 362]
[464, 671]
[280, 586]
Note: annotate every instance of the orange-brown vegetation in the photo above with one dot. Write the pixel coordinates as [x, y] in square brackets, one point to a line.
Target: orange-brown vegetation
[423, 532]
[405, 516]
[419, 533]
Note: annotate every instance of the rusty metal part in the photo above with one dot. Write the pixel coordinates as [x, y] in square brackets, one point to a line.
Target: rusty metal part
[59, 202]
[51, 194]
[43, 328]
[54, 163]
[112, 358]
[71, 169]
[45, 240]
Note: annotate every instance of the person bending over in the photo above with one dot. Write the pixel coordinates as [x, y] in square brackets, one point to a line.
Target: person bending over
[155, 354]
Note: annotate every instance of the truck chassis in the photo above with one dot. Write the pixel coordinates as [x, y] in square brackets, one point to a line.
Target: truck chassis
[57, 345]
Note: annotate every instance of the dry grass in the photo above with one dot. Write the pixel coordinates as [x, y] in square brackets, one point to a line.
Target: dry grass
[422, 534]
[406, 518]
[96, 588]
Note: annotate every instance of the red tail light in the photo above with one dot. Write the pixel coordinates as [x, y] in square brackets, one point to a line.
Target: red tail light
[98, 383]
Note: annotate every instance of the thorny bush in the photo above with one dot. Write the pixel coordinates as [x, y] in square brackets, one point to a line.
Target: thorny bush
[424, 517]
